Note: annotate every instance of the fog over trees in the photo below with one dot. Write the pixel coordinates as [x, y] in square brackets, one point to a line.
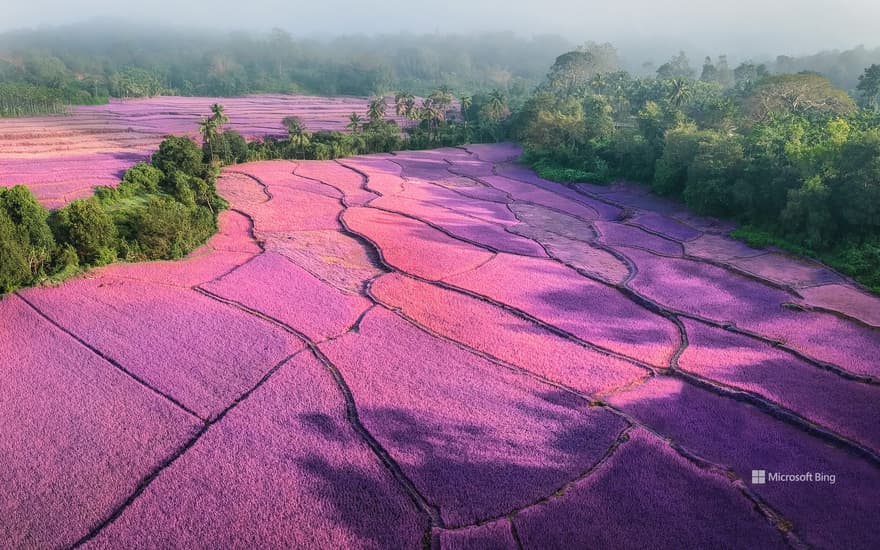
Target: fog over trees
[642, 29]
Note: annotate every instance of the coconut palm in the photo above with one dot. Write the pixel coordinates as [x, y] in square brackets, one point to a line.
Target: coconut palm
[679, 91]
[377, 109]
[218, 116]
[405, 104]
[465, 102]
[441, 99]
[400, 103]
[411, 107]
[297, 133]
[497, 104]
[354, 122]
[208, 130]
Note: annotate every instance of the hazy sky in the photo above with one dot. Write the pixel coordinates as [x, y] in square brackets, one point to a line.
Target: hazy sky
[744, 26]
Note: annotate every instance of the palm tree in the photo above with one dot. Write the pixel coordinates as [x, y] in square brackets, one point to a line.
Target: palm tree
[208, 130]
[497, 104]
[218, 116]
[354, 122]
[441, 98]
[465, 103]
[297, 133]
[404, 104]
[376, 111]
[679, 91]
[599, 82]
[431, 116]
[411, 107]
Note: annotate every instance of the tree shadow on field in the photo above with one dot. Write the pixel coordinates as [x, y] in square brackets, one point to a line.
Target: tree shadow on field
[472, 471]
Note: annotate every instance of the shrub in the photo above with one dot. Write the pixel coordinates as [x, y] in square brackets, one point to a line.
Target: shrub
[167, 229]
[140, 178]
[179, 154]
[89, 229]
[30, 221]
[14, 266]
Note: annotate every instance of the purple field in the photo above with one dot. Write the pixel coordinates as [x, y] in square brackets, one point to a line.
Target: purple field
[435, 349]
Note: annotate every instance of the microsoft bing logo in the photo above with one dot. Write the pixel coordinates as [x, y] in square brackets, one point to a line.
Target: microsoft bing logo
[759, 477]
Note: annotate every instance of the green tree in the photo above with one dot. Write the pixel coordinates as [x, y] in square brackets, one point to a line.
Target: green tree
[807, 94]
[869, 86]
[354, 122]
[297, 134]
[710, 73]
[680, 90]
[179, 154]
[376, 111]
[677, 67]
[89, 229]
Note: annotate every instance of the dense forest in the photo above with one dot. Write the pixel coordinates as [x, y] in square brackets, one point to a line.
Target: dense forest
[45, 70]
[41, 71]
[792, 157]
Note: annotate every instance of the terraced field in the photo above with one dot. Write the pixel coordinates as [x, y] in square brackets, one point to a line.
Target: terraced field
[439, 348]
[63, 158]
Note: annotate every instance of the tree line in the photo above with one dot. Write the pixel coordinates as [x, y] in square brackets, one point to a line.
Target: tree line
[791, 157]
[86, 64]
[89, 63]
[441, 119]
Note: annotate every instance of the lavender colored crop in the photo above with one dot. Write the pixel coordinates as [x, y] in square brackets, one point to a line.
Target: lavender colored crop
[497, 535]
[477, 439]
[563, 298]
[618, 234]
[743, 439]
[440, 393]
[504, 335]
[414, 247]
[78, 434]
[716, 247]
[346, 180]
[274, 285]
[456, 200]
[496, 152]
[587, 258]
[522, 173]
[283, 470]
[689, 507]
[715, 293]
[335, 258]
[463, 226]
[529, 193]
[787, 270]
[847, 407]
[666, 226]
[846, 300]
[95, 144]
[383, 176]
[201, 352]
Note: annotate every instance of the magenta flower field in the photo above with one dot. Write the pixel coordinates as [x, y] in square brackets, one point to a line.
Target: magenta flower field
[427, 349]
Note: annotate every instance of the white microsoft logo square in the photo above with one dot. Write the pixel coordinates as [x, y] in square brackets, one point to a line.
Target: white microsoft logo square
[759, 477]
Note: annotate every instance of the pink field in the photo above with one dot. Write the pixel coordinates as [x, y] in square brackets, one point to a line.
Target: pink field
[588, 310]
[274, 285]
[477, 440]
[349, 363]
[453, 315]
[699, 509]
